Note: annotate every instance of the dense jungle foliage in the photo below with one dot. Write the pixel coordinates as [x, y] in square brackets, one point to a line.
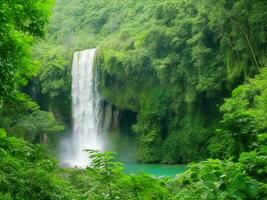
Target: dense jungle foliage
[20, 24]
[171, 62]
[194, 72]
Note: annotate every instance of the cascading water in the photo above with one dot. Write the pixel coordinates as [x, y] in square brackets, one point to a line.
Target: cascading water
[85, 111]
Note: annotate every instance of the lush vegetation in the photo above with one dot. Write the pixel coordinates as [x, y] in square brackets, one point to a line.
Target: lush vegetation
[26, 172]
[171, 62]
[194, 72]
[21, 24]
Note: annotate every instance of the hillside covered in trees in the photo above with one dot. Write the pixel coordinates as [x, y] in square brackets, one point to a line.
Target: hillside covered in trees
[187, 77]
[171, 63]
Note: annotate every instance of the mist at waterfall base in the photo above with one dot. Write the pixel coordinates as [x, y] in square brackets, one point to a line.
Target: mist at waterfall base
[86, 101]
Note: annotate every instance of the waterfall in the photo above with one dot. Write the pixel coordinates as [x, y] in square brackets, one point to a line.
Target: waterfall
[86, 108]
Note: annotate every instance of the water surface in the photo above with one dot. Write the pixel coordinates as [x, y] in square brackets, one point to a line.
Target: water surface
[154, 169]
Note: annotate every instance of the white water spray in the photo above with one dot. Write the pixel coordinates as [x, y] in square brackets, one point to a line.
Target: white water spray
[85, 111]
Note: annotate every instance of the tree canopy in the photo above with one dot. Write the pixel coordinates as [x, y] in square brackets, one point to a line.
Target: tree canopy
[20, 22]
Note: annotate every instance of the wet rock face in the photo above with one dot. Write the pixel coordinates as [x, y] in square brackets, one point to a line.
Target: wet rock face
[127, 118]
[117, 120]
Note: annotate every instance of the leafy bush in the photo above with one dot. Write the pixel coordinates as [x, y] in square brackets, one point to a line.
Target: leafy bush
[215, 179]
[244, 117]
[26, 172]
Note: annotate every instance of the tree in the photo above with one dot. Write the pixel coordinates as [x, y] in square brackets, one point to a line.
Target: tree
[244, 117]
[107, 170]
[20, 22]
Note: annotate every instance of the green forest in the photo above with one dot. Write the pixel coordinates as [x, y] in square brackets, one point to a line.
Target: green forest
[187, 79]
